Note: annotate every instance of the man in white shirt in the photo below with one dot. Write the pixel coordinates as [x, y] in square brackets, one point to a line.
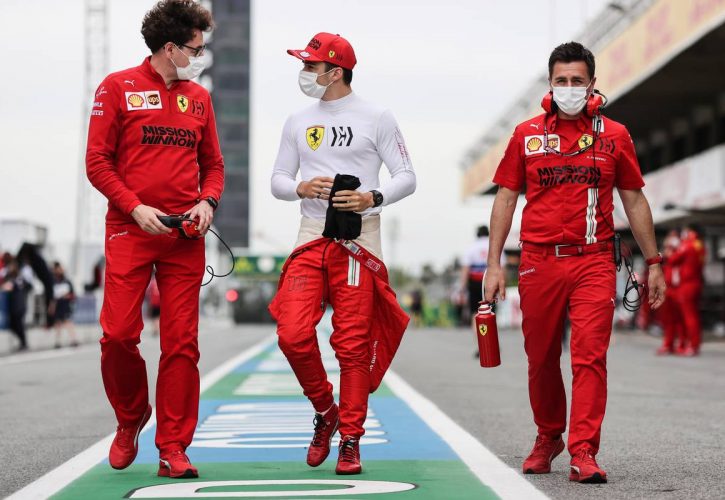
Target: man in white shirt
[340, 134]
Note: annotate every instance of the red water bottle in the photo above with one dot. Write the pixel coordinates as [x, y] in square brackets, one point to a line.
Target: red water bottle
[487, 335]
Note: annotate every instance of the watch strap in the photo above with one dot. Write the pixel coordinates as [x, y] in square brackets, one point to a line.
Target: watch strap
[657, 259]
[212, 201]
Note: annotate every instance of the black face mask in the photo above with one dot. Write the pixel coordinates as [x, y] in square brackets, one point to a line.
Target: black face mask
[342, 225]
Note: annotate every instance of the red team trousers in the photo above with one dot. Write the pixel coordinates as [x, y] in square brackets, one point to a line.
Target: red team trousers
[131, 255]
[585, 286]
[322, 274]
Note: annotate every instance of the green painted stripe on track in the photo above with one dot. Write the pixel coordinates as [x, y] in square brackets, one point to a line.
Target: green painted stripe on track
[435, 480]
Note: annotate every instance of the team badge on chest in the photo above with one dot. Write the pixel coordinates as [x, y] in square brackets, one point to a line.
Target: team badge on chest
[183, 102]
[585, 141]
[314, 136]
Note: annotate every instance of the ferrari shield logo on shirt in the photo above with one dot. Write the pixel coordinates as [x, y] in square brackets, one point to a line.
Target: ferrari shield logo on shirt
[149, 99]
[534, 144]
[585, 141]
[314, 136]
[183, 102]
[483, 330]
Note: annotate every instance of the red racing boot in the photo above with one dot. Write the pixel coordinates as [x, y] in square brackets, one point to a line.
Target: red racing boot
[176, 464]
[125, 445]
[348, 458]
[545, 450]
[325, 428]
[584, 468]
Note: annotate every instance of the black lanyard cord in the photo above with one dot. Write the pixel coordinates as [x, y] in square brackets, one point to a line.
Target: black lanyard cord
[210, 269]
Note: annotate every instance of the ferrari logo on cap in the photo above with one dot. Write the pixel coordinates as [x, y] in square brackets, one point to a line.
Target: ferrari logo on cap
[314, 136]
[331, 54]
[183, 102]
[483, 330]
[585, 141]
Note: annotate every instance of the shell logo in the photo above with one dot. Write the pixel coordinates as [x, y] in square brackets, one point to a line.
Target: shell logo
[331, 54]
[135, 100]
[534, 144]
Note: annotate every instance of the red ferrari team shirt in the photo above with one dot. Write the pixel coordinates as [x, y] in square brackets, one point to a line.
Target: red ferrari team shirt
[152, 145]
[562, 192]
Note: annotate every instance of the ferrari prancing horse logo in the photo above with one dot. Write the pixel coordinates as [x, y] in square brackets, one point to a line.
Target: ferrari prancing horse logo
[585, 141]
[314, 136]
[483, 330]
[182, 102]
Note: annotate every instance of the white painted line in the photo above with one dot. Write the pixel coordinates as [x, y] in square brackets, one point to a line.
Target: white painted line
[489, 469]
[60, 477]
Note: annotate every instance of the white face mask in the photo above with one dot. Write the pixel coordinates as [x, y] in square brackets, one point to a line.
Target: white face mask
[570, 100]
[194, 69]
[309, 86]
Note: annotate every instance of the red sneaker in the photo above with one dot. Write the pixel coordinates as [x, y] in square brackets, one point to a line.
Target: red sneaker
[545, 450]
[125, 445]
[348, 458]
[325, 427]
[584, 468]
[688, 352]
[176, 464]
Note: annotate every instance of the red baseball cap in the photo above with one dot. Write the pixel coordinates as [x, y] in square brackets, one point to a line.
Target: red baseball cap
[326, 47]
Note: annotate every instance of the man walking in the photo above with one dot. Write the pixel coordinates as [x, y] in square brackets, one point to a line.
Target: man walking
[570, 159]
[153, 150]
[338, 145]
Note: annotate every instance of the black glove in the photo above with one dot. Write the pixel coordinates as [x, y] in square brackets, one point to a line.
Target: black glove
[342, 225]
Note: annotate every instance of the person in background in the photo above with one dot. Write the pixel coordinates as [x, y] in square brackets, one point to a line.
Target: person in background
[17, 285]
[689, 260]
[416, 307]
[61, 307]
[474, 267]
[670, 314]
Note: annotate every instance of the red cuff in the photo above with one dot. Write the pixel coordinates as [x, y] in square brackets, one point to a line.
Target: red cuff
[131, 206]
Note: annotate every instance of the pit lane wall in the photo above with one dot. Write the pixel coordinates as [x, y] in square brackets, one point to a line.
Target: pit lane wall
[665, 29]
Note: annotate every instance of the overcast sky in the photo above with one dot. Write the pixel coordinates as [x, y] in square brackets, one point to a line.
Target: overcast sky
[445, 69]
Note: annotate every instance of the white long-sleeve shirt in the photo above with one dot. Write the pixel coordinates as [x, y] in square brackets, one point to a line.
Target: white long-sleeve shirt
[344, 136]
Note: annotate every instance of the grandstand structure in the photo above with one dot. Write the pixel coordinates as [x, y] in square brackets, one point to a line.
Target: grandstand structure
[660, 64]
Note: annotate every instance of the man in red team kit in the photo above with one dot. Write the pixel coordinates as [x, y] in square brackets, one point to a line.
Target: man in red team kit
[689, 260]
[337, 146]
[569, 159]
[153, 150]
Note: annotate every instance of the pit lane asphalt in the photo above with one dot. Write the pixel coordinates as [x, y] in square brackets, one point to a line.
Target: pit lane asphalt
[663, 436]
